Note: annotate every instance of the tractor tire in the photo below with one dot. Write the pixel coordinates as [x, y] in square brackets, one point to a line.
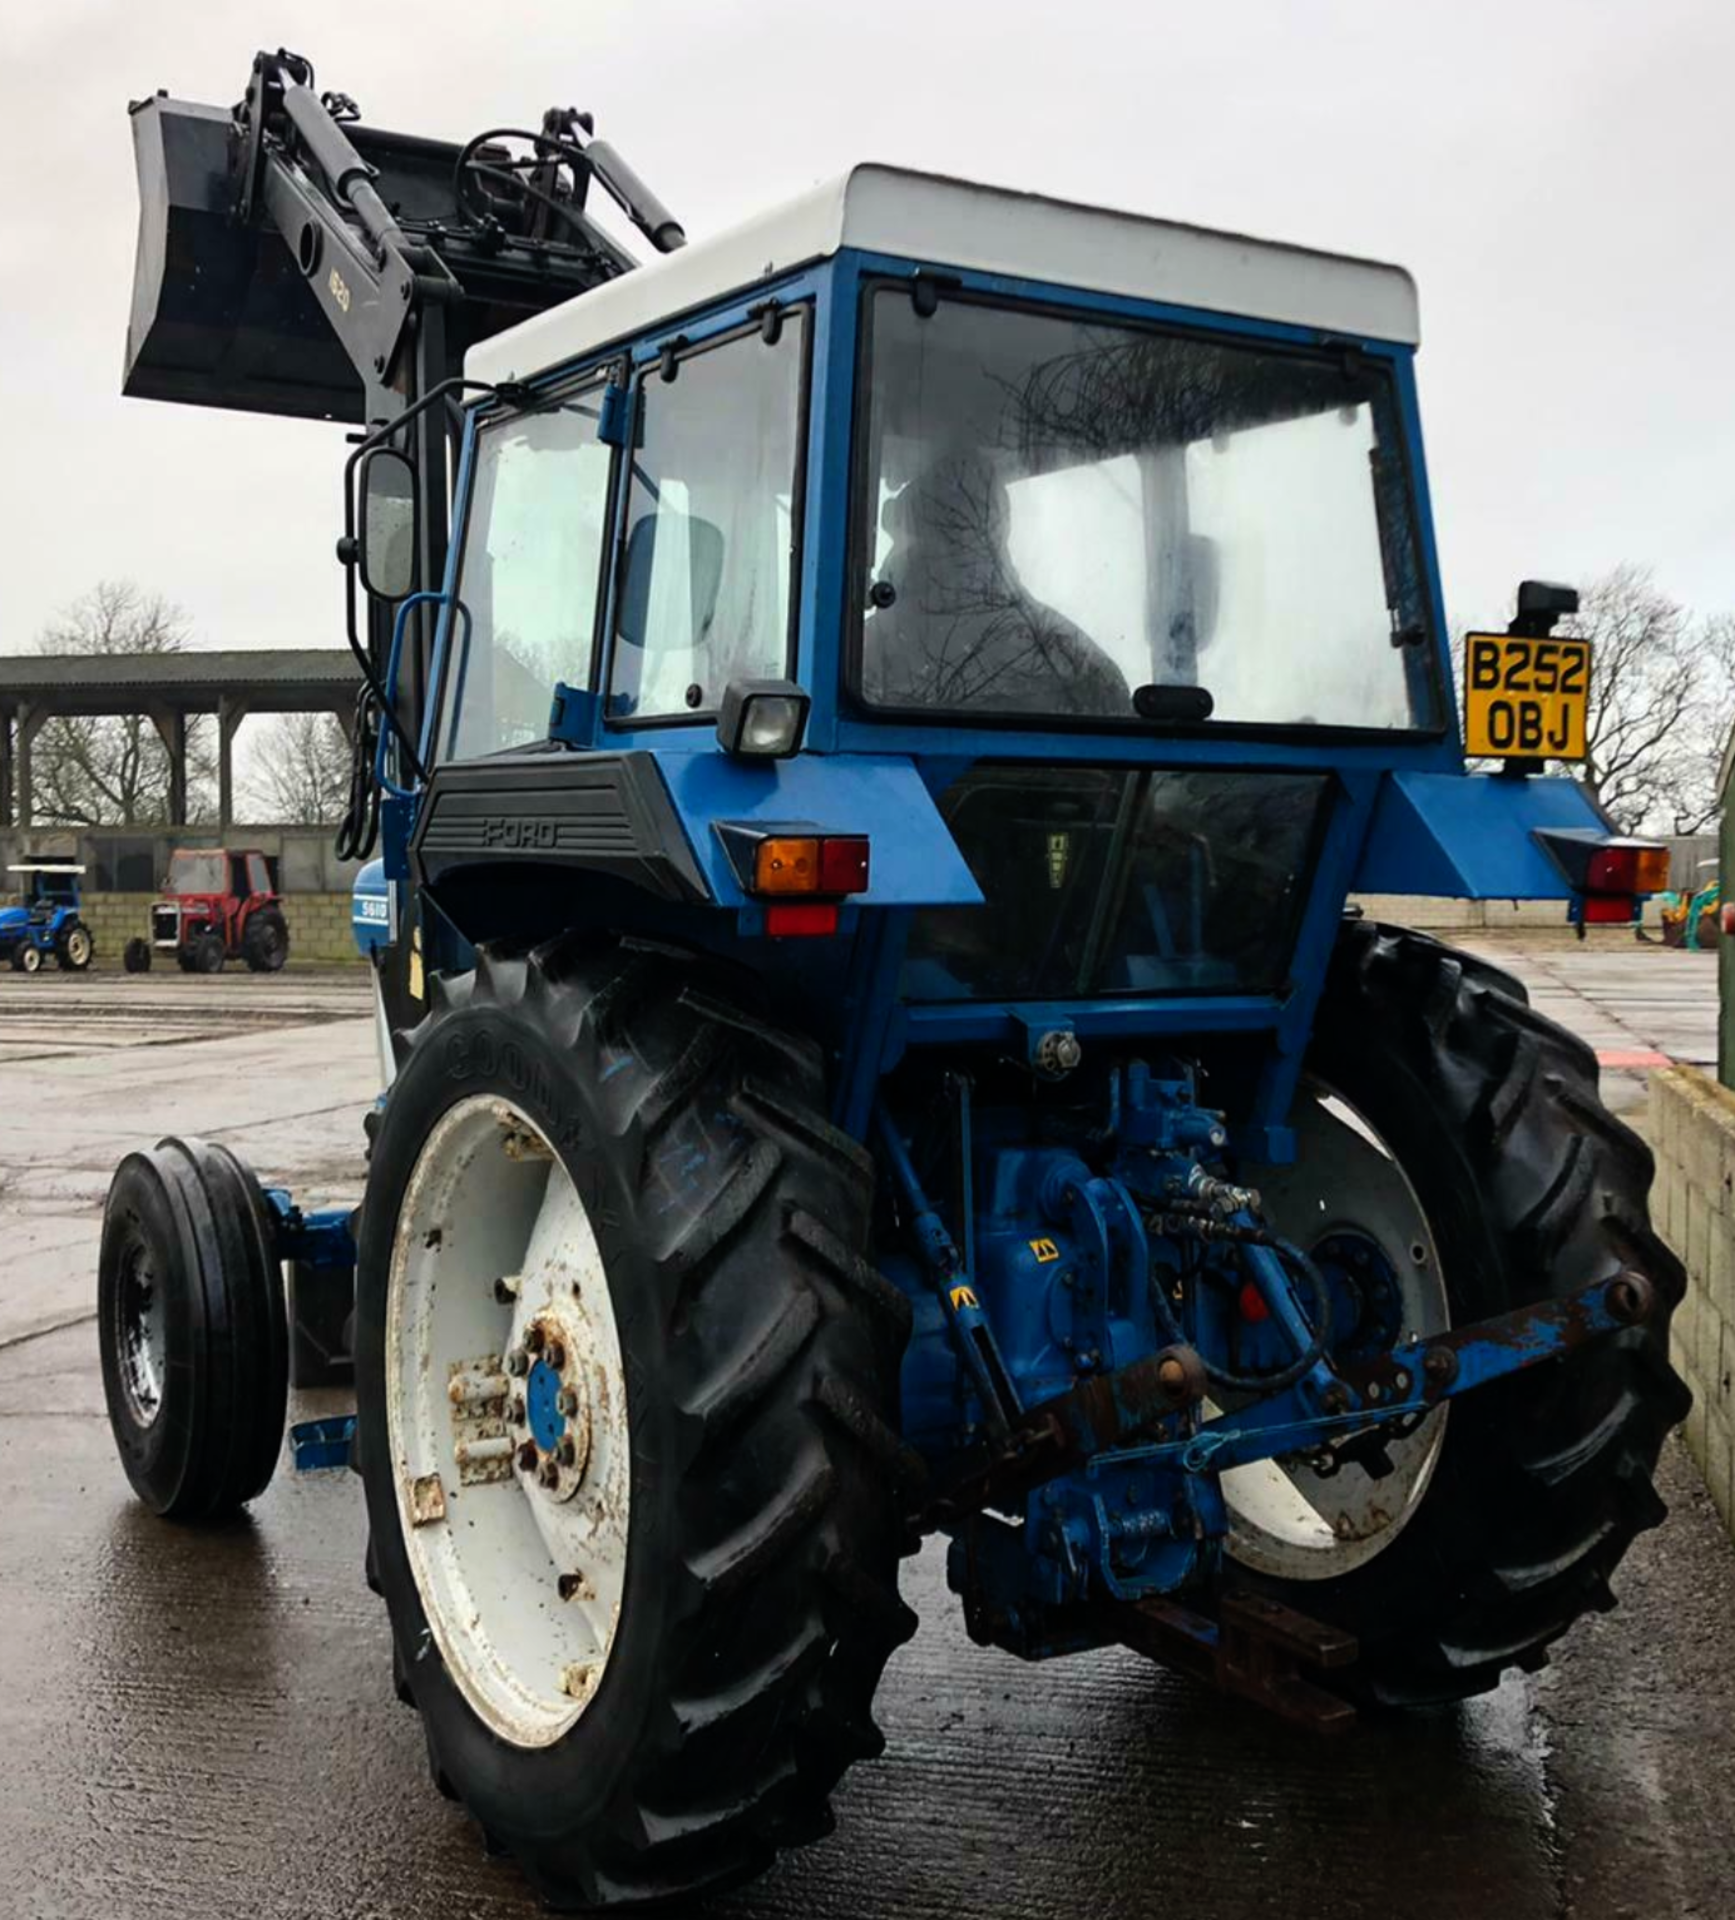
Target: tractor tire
[74, 948]
[193, 1330]
[265, 944]
[1531, 1190]
[136, 955]
[760, 1357]
[27, 957]
[205, 955]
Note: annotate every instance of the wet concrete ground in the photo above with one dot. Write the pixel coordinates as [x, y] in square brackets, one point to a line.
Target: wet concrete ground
[201, 1724]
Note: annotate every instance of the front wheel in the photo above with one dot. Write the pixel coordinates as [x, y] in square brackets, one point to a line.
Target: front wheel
[627, 1402]
[205, 955]
[192, 1329]
[27, 957]
[1456, 1163]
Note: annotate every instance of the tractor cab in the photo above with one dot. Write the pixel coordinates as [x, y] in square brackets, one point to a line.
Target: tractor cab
[46, 888]
[1061, 576]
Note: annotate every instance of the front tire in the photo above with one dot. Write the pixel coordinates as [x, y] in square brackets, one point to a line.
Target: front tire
[1531, 1189]
[192, 1329]
[206, 954]
[757, 1563]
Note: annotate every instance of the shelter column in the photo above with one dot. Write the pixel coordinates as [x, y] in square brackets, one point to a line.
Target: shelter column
[171, 726]
[30, 721]
[231, 711]
[5, 766]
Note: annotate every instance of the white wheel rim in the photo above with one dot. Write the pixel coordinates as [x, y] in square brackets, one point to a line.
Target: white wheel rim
[141, 1345]
[1285, 1519]
[520, 1573]
[32, 959]
[78, 947]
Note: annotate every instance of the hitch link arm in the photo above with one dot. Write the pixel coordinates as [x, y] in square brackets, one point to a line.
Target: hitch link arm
[1414, 1380]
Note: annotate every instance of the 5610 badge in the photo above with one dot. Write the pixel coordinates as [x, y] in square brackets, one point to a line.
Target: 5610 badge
[1524, 695]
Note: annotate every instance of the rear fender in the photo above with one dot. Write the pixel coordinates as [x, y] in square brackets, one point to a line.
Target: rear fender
[1471, 836]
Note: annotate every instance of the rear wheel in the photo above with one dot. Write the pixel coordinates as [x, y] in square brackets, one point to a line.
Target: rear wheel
[265, 944]
[73, 947]
[1455, 1139]
[627, 1398]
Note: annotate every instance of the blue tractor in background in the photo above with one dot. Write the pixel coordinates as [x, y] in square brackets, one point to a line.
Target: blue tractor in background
[47, 921]
[868, 778]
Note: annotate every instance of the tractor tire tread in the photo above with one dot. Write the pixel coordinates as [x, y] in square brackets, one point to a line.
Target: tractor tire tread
[782, 1602]
[1568, 1453]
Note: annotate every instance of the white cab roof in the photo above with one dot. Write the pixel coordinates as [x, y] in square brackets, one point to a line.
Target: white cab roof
[952, 223]
[42, 866]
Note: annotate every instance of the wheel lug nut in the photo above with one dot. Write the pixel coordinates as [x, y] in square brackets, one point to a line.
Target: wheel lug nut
[528, 1457]
[517, 1361]
[517, 1412]
[567, 1450]
[567, 1401]
[550, 1474]
[534, 1338]
[556, 1355]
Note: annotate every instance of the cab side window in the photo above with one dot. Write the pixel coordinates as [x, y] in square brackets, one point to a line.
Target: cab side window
[706, 582]
[529, 577]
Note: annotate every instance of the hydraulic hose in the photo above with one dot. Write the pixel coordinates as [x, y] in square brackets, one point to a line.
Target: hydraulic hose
[1285, 1376]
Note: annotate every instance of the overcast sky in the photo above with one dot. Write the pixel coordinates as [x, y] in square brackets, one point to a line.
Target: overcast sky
[1559, 177]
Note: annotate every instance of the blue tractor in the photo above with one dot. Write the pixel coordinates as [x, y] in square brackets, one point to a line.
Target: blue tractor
[869, 776]
[47, 921]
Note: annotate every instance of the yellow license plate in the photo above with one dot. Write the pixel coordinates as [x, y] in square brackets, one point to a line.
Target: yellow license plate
[1525, 697]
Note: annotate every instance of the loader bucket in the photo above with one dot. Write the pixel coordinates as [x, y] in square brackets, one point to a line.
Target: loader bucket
[221, 316]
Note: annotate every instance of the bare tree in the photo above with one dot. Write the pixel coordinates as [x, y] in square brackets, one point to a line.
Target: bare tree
[1660, 701]
[299, 771]
[110, 771]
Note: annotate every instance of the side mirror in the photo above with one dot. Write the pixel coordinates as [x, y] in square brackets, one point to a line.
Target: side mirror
[386, 550]
[679, 538]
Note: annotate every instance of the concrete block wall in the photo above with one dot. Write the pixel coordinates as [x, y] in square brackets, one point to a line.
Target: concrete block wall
[319, 925]
[1531, 918]
[1692, 1131]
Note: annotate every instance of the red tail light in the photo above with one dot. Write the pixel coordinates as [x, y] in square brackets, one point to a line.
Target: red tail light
[808, 919]
[1608, 909]
[843, 863]
[1628, 867]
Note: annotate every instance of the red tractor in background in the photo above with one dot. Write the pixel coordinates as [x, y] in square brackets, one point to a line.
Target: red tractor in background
[217, 904]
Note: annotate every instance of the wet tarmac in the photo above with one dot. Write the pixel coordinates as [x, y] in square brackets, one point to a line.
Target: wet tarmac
[202, 1725]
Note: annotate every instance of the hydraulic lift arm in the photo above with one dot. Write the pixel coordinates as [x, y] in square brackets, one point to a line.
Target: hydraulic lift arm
[292, 260]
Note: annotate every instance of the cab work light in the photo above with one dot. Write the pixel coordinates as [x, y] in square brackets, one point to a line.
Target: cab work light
[762, 719]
